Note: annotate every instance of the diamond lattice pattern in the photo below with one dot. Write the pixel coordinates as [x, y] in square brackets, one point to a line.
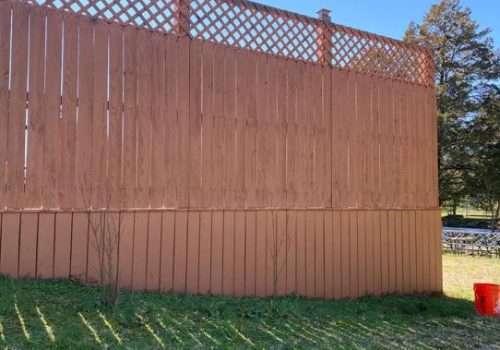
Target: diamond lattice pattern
[157, 15]
[247, 25]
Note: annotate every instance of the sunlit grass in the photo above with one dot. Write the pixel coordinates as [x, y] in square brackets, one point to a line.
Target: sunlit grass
[65, 315]
[22, 323]
[460, 272]
[48, 328]
[90, 328]
[2, 335]
[151, 331]
[110, 328]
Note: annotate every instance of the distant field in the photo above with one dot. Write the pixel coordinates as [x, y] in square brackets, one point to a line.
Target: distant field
[460, 272]
[467, 212]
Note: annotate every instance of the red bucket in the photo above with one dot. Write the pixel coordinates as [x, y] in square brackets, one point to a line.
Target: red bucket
[487, 299]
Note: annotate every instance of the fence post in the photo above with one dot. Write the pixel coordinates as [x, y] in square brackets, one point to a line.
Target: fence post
[182, 16]
[325, 38]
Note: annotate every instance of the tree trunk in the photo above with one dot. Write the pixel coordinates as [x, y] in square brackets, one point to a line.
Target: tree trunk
[496, 216]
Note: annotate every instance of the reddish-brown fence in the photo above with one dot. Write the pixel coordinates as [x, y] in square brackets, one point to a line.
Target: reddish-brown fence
[244, 149]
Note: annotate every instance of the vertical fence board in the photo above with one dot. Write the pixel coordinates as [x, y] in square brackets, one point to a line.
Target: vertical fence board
[385, 253]
[429, 244]
[261, 253]
[180, 247]
[5, 25]
[154, 251]
[27, 245]
[144, 126]
[168, 251]
[129, 176]
[325, 166]
[291, 257]
[239, 253]
[261, 142]
[96, 246]
[79, 244]
[280, 127]
[68, 122]
[319, 253]
[400, 250]
[291, 136]
[250, 253]
[281, 252]
[228, 253]
[207, 123]
[364, 256]
[387, 161]
[52, 181]
[62, 249]
[345, 251]
[340, 142]
[251, 132]
[412, 252]
[126, 250]
[182, 164]
[36, 126]
[229, 129]
[434, 155]
[437, 260]
[301, 253]
[241, 118]
[354, 268]
[271, 255]
[406, 251]
[158, 120]
[115, 164]
[140, 249]
[193, 252]
[337, 255]
[310, 253]
[376, 253]
[217, 252]
[205, 252]
[391, 250]
[170, 175]
[195, 127]
[10, 244]
[85, 110]
[218, 132]
[17, 106]
[45, 252]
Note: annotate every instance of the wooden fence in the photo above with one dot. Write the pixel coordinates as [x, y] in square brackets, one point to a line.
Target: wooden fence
[231, 169]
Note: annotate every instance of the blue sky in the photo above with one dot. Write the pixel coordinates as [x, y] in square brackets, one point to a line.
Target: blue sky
[389, 17]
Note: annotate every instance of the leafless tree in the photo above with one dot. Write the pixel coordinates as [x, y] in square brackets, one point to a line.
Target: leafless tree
[104, 230]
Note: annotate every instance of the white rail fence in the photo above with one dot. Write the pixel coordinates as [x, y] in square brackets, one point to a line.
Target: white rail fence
[471, 241]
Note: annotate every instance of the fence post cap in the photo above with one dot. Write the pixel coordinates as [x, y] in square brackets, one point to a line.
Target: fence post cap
[325, 15]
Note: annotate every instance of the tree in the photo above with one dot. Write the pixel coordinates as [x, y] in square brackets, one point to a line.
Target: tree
[465, 62]
[483, 179]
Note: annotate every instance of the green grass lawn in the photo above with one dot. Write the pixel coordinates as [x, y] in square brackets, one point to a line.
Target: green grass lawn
[467, 212]
[65, 315]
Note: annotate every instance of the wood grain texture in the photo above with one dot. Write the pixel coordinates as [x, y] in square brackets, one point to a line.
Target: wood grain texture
[231, 172]
[45, 248]
[62, 249]
[27, 245]
[5, 29]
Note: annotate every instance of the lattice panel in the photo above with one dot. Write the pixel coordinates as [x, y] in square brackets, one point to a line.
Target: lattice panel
[247, 25]
[157, 15]
[368, 53]
[251, 26]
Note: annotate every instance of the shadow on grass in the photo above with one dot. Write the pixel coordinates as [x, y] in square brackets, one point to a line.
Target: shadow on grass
[65, 314]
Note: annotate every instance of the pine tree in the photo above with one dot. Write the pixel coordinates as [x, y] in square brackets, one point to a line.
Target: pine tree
[466, 63]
